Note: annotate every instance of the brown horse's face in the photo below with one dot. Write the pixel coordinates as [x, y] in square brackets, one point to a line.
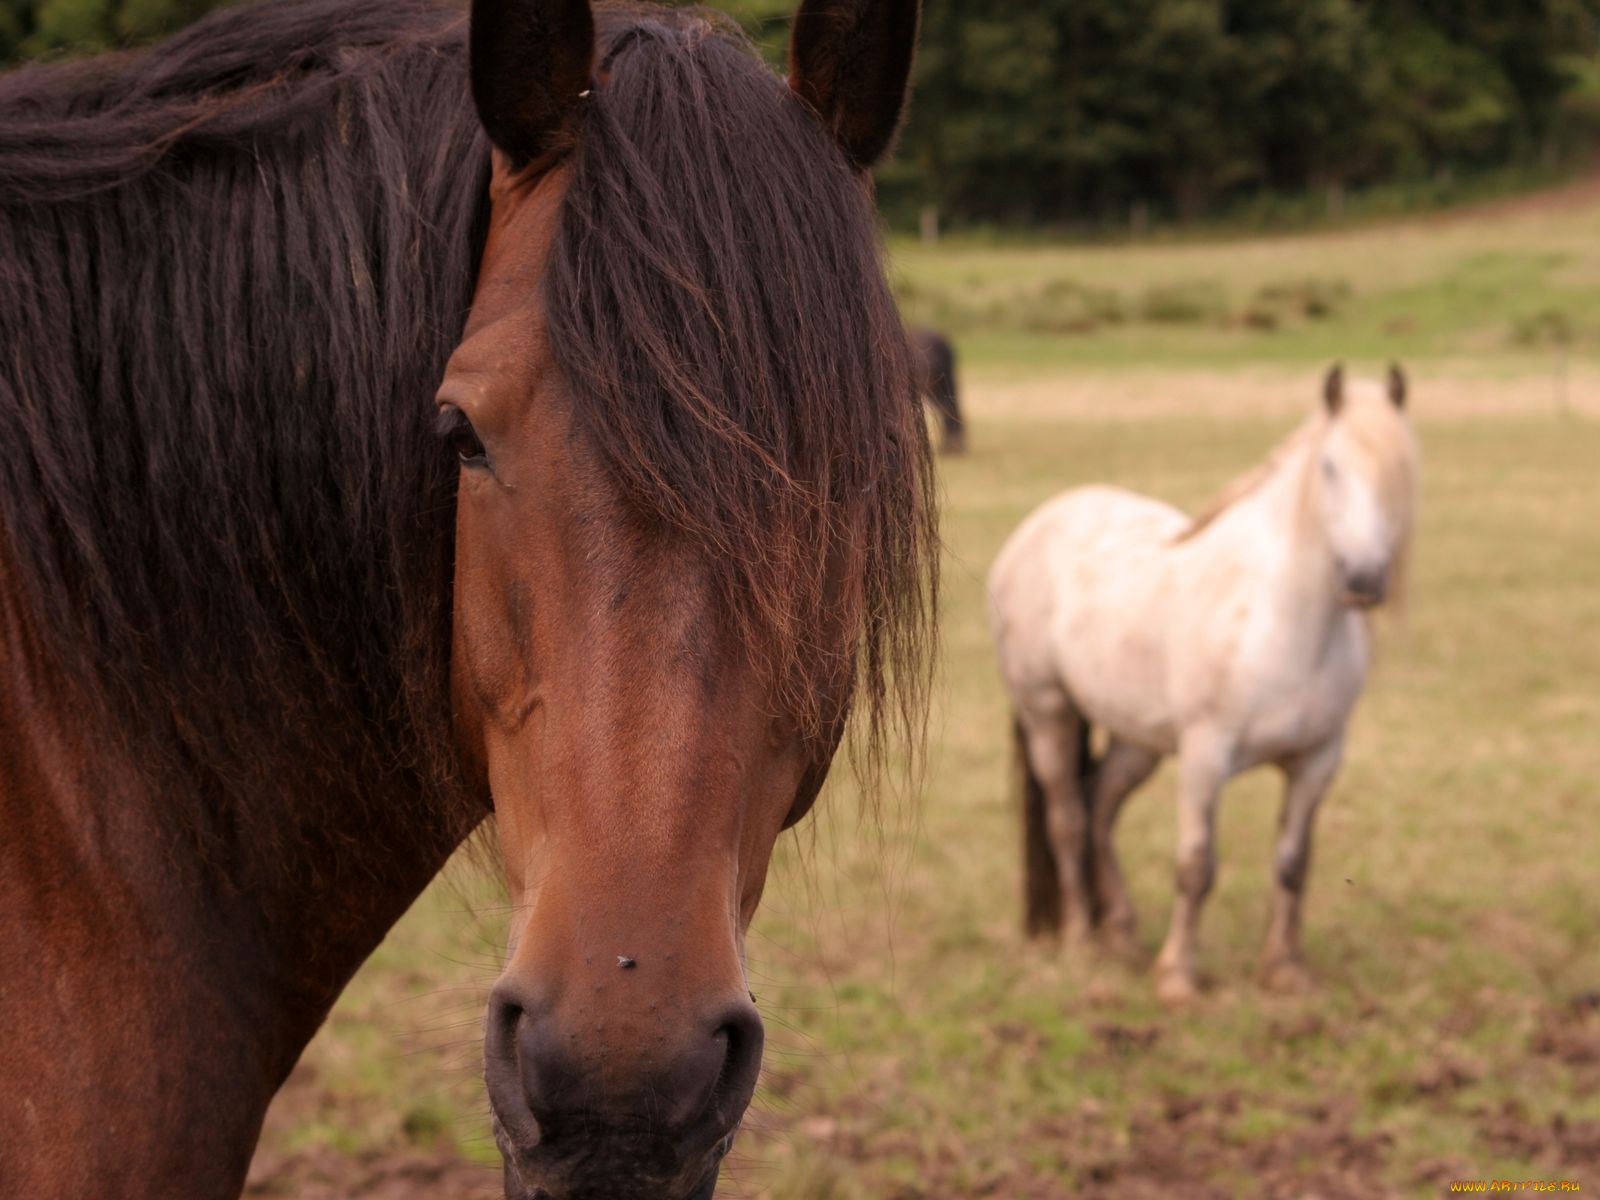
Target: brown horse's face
[638, 779]
[629, 742]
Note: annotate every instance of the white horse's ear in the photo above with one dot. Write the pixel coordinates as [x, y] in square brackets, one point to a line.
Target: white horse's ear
[1333, 389]
[1397, 386]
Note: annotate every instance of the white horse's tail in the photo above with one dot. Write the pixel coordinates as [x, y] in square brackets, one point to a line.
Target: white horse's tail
[1041, 881]
[1041, 877]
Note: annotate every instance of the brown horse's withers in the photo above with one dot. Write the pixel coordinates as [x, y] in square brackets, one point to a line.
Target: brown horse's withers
[691, 529]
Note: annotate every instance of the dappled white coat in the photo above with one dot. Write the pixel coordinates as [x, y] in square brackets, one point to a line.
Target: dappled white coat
[1232, 640]
[1239, 632]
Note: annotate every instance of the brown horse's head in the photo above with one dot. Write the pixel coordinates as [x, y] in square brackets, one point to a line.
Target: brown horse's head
[693, 525]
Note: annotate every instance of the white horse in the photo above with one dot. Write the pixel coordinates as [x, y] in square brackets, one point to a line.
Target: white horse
[1231, 640]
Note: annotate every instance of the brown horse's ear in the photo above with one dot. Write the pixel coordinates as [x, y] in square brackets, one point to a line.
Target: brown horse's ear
[1333, 389]
[1397, 386]
[851, 60]
[531, 65]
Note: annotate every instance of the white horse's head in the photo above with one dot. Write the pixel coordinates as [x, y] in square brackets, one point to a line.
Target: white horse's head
[1364, 483]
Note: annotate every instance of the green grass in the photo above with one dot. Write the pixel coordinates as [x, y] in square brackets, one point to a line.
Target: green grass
[1501, 285]
[919, 1047]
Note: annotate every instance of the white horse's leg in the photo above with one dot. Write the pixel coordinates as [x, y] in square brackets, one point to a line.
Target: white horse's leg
[1124, 768]
[1306, 782]
[1053, 744]
[1203, 767]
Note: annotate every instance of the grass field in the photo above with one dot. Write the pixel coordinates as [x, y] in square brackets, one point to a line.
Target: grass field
[1501, 284]
[917, 1046]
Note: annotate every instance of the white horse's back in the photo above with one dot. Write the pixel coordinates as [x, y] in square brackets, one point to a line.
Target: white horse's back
[1079, 598]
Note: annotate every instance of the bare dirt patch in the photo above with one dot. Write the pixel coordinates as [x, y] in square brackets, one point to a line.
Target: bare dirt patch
[434, 1172]
[1571, 1036]
[1557, 1144]
[1200, 1152]
[325, 1174]
[1182, 1147]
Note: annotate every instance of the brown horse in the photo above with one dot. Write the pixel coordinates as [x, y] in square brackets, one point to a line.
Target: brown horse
[270, 645]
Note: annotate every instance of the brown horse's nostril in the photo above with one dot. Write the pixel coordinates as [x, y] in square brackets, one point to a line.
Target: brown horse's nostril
[503, 1055]
[740, 1034]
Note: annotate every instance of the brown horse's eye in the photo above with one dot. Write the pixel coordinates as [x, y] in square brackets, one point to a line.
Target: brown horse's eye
[457, 431]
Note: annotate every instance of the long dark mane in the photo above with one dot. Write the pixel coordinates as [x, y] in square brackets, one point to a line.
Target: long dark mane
[234, 267]
[717, 300]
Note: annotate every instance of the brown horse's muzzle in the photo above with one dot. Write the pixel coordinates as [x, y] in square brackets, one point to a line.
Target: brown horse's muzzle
[621, 1086]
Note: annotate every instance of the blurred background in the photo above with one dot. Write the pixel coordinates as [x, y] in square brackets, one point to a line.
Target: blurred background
[1147, 227]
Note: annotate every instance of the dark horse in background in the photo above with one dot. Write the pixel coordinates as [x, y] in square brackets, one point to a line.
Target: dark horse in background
[934, 359]
[282, 615]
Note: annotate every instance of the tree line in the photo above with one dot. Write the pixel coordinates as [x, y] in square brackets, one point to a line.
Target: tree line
[1081, 109]
[1084, 111]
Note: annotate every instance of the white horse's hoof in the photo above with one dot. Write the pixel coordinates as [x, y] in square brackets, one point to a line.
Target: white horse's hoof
[1176, 989]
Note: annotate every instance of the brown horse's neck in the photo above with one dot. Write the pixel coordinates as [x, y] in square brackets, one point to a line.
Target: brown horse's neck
[157, 992]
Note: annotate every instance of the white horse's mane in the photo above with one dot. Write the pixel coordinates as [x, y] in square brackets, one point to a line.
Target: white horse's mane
[1251, 481]
[1368, 414]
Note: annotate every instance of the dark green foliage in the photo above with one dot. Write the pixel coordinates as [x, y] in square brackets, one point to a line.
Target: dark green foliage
[1089, 111]
[31, 28]
[767, 21]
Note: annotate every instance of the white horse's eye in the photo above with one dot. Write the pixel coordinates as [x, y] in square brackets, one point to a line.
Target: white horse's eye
[1330, 472]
